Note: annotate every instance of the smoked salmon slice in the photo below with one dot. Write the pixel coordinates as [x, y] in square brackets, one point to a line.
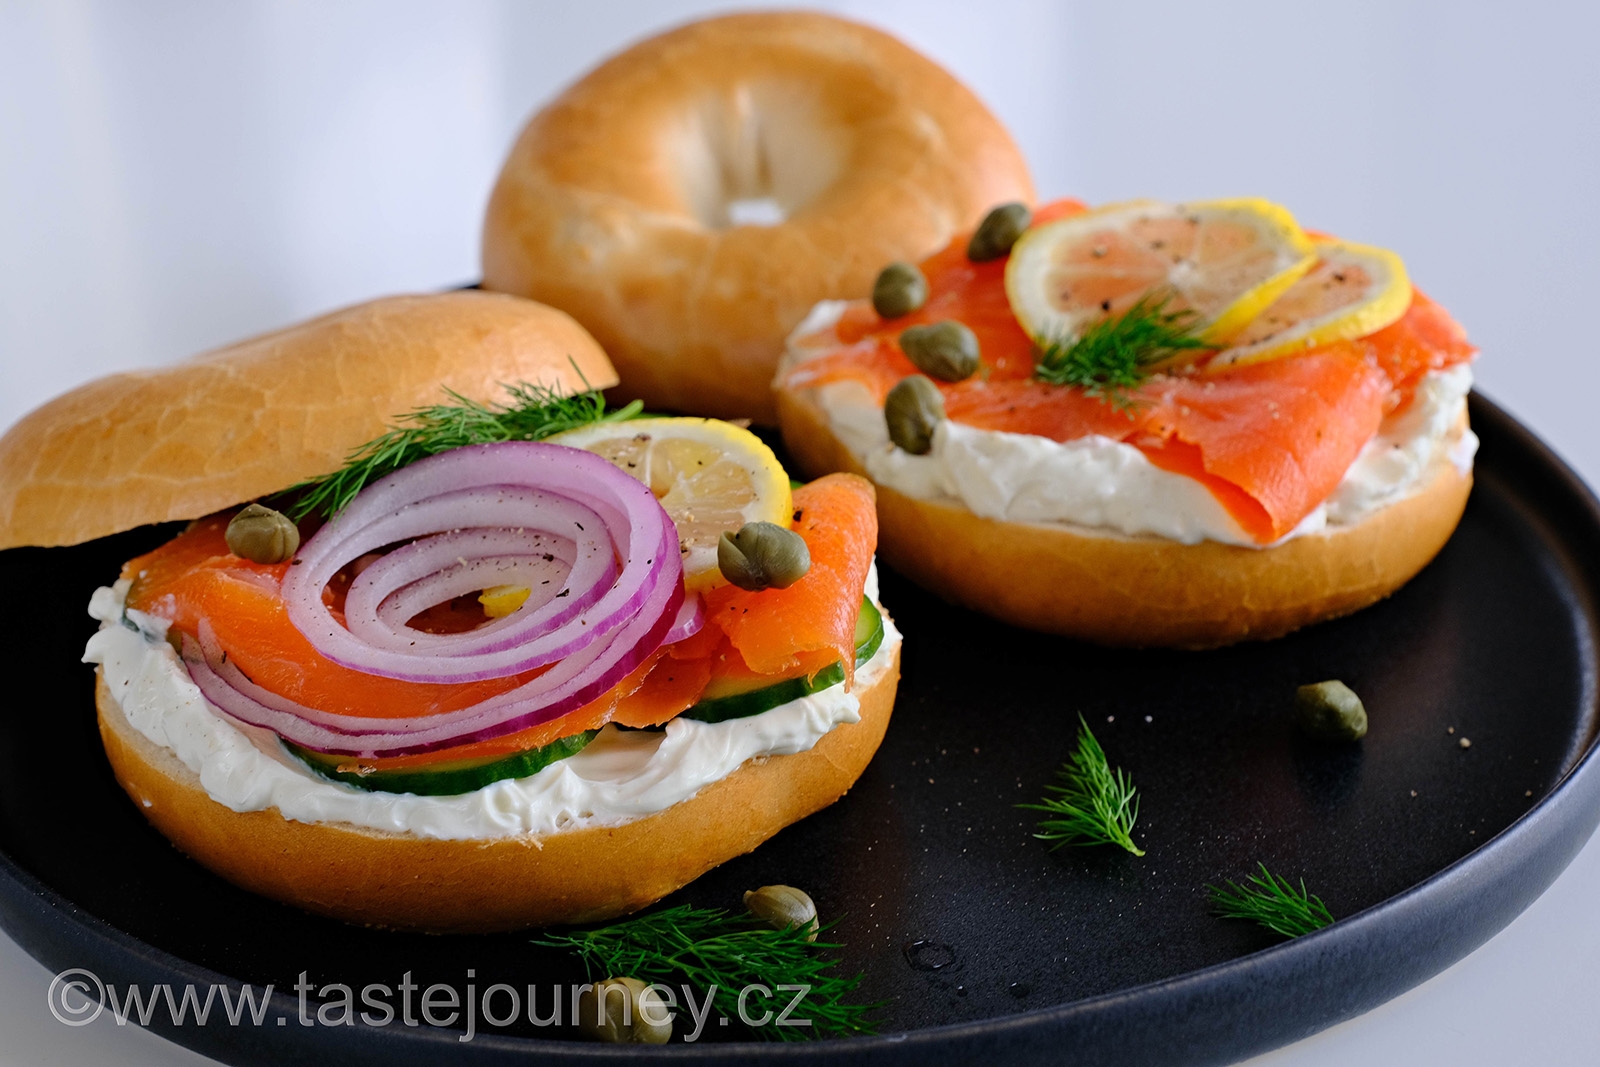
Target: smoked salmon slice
[1270, 440]
[1282, 433]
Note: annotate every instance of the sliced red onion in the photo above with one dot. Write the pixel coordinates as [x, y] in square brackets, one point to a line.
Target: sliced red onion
[593, 544]
[542, 579]
[691, 617]
[447, 503]
[388, 594]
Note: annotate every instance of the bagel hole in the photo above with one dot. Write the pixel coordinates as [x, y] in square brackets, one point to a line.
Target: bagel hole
[755, 211]
[757, 155]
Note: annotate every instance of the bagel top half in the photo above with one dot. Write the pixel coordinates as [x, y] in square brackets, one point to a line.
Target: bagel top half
[619, 201]
[251, 419]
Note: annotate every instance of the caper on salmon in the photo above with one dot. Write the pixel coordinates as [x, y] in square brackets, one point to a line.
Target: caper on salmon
[899, 290]
[945, 350]
[912, 410]
[998, 231]
[763, 555]
[262, 535]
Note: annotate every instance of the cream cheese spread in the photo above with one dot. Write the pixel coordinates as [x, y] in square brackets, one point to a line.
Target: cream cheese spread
[1100, 484]
[619, 776]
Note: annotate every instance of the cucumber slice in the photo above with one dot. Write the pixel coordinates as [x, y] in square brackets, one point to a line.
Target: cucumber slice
[869, 635]
[445, 779]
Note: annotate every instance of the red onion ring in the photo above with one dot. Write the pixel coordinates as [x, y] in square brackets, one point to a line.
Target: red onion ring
[534, 513]
[442, 504]
[388, 593]
[691, 617]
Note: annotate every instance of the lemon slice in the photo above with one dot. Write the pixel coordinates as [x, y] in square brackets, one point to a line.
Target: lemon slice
[709, 475]
[1352, 291]
[1225, 260]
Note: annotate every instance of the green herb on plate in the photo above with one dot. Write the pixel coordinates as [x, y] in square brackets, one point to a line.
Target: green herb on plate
[723, 953]
[1090, 803]
[1272, 902]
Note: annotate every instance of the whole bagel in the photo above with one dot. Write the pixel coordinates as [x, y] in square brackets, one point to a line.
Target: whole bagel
[619, 203]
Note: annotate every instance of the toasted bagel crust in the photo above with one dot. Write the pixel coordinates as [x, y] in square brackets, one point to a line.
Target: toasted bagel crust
[411, 883]
[250, 419]
[613, 202]
[1139, 591]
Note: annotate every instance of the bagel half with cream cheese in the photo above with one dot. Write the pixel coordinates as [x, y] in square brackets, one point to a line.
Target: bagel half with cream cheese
[653, 808]
[1133, 590]
[1147, 519]
[621, 202]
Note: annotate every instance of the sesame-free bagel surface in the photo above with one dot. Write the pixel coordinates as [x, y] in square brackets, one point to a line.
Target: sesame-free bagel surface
[1139, 591]
[620, 202]
[254, 418]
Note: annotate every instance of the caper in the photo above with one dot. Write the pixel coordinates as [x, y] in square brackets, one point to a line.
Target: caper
[945, 350]
[624, 1011]
[783, 907]
[1330, 711]
[763, 555]
[998, 231]
[913, 408]
[899, 290]
[262, 535]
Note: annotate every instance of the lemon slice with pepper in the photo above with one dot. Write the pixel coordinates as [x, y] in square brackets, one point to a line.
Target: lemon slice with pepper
[709, 475]
[1352, 291]
[1224, 260]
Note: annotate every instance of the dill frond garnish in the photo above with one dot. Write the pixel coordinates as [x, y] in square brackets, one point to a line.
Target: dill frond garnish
[1090, 803]
[1273, 902]
[1118, 353]
[721, 953]
[532, 413]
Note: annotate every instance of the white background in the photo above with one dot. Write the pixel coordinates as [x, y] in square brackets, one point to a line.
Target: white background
[174, 176]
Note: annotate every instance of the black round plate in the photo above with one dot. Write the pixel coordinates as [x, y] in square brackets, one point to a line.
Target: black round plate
[983, 943]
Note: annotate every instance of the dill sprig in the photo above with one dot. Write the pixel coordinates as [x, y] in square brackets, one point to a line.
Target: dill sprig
[714, 950]
[1118, 353]
[1273, 902]
[532, 413]
[1090, 803]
